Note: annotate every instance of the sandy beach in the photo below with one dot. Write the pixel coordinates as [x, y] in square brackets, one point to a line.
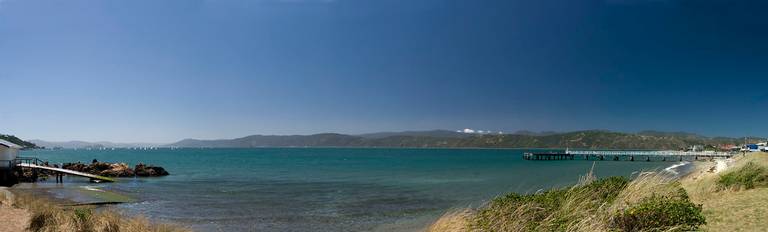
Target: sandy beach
[14, 219]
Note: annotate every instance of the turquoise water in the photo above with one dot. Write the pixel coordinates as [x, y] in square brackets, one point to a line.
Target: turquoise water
[321, 189]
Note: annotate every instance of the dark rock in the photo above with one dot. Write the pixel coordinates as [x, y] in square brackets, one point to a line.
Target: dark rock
[74, 166]
[98, 167]
[144, 170]
[116, 169]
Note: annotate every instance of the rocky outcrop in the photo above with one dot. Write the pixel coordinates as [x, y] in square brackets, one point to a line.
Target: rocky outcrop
[116, 169]
[144, 170]
[80, 167]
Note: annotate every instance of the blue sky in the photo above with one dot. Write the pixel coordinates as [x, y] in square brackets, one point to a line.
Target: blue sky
[160, 71]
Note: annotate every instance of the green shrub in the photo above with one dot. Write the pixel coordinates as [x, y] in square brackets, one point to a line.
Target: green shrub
[572, 209]
[83, 214]
[525, 211]
[606, 189]
[747, 177]
[83, 218]
[544, 211]
[661, 213]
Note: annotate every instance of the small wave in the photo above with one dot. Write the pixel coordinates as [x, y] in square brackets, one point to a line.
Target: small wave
[673, 169]
[92, 188]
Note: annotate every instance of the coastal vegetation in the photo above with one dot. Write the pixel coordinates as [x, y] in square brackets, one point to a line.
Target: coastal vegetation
[724, 196]
[728, 204]
[749, 176]
[18, 141]
[45, 216]
[611, 204]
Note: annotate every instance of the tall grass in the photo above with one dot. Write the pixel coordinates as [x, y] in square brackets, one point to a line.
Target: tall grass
[47, 217]
[728, 204]
[749, 176]
[610, 204]
[454, 220]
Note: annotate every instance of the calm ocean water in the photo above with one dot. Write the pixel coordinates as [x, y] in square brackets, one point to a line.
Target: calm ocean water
[320, 189]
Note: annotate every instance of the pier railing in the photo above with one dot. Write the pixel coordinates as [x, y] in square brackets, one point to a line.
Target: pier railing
[28, 160]
[10, 164]
[653, 153]
[21, 161]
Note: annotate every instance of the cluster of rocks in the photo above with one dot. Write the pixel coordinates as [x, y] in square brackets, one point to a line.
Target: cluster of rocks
[116, 169]
[27, 175]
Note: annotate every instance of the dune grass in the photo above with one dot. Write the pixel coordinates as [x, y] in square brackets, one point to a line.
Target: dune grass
[729, 203]
[650, 202]
[47, 217]
[453, 220]
[749, 176]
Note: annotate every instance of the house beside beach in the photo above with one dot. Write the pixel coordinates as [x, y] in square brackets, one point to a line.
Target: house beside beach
[754, 147]
[8, 153]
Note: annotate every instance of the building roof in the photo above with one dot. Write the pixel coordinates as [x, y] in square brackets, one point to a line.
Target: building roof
[9, 144]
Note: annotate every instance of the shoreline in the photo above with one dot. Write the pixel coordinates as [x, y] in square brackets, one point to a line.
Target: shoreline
[353, 147]
[41, 212]
[413, 224]
[466, 218]
[730, 209]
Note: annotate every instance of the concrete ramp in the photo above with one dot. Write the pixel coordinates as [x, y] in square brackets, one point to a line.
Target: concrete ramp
[67, 171]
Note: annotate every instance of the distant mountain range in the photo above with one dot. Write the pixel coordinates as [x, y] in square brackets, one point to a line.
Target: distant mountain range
[440, 138]
[430, 133]
[83, 144]
[592, 139]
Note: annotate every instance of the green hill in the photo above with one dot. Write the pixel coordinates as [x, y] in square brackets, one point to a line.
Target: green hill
[18, 141]
[594, 139]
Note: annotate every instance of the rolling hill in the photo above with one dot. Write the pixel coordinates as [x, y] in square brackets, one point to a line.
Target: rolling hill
[593, 139]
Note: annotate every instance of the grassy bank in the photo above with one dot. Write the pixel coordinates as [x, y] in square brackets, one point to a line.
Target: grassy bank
[650, 202]
[709, 199]
[42, 215]
[735, 199]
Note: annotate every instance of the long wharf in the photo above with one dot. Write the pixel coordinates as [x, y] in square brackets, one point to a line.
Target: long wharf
[598, 155]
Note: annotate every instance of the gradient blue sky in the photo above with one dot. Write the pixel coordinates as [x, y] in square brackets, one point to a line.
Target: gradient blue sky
[160, 71]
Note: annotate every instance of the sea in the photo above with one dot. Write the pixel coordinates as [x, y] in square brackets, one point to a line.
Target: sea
[319, 189]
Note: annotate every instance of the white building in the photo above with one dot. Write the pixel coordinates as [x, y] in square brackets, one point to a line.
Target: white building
[8, 152]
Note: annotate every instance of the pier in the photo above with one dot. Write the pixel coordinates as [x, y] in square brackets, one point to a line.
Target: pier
[15, 168]
[598, 155]
[94, 178]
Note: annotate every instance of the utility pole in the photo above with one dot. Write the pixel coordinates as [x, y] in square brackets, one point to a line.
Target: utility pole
[745, 146]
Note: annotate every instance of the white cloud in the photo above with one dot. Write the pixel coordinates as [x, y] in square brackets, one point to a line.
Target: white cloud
[473, 131]
[467, 130]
